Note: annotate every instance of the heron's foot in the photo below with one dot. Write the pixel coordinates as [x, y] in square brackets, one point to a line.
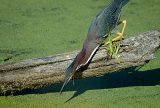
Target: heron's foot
[114, 44]
[120, 36]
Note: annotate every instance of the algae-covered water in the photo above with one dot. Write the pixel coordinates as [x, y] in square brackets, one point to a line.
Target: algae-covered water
[39, 28]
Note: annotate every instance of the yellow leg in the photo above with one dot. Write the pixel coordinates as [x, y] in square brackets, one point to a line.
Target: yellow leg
[120, 34]
[113, 45]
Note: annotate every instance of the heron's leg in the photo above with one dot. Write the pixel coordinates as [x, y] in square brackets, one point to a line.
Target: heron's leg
[113, 45]
[120, 34]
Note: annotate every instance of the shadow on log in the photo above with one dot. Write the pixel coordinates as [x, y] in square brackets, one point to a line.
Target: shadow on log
[40, 72]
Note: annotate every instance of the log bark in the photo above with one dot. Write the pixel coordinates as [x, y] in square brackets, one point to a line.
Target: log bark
[40, 72]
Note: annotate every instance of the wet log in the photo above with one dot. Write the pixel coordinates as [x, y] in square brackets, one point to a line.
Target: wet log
[40, 72]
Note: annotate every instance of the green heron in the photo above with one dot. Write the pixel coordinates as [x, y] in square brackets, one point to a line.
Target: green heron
[102, 25]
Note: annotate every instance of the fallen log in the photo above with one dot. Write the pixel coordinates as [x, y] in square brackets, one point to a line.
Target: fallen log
[40, 72]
